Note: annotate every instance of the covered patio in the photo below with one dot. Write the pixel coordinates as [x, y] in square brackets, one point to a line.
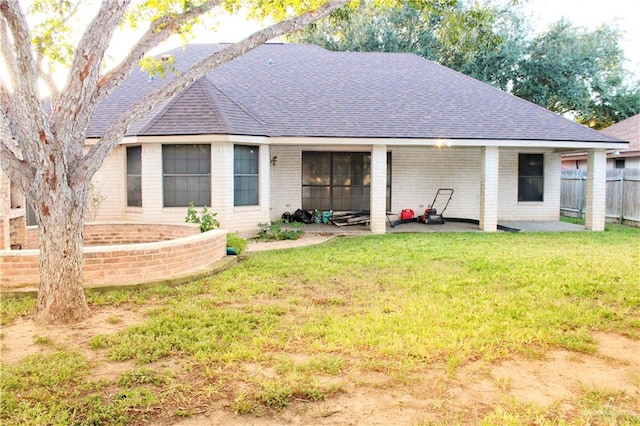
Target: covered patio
[317, 233]
[448, 226]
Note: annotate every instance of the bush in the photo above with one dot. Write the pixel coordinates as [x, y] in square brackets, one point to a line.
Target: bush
[207, 219]
[237, 243]
[275, 231]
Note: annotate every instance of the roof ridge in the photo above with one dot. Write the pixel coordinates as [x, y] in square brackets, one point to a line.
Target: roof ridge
[165, 109]
[241, 107]
[215, 108]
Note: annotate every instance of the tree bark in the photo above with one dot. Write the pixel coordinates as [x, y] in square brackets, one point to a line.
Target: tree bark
[42, 152]
[61, 296]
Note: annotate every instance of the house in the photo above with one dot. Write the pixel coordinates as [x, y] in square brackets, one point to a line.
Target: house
[628, 130]
[290, 126]
[12, 214]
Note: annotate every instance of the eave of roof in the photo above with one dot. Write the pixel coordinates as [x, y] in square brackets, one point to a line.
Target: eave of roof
[628, 129]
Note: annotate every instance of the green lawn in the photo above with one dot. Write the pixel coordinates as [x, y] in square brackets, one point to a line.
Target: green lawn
[399, 304]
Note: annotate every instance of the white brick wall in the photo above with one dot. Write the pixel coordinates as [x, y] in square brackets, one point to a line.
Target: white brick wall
[417, 173]
[596, 190]
[489, 188]
[110, 182]
[286, 195]
[378, 189]
[243, 219]
[152, 197]
[508, 206]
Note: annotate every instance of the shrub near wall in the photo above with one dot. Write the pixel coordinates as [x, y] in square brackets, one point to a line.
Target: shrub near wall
[127, 264]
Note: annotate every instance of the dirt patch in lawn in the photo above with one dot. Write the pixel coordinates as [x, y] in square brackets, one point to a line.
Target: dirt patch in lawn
[428, 394]
[24, 337]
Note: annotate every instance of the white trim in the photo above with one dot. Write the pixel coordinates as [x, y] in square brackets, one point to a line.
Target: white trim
[184, 139]
[443, 143]
[323, 142]
[245, 209]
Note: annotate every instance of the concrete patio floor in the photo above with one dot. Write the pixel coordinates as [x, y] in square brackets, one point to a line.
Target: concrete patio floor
[319, 233]
[448, 226]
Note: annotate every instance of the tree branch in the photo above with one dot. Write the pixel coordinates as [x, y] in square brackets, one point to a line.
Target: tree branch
[85, 67]
[21, 58]
[21, 108]
[47, 78]
[159, 31]
[6, 53]
[12, 129]
[97, 154]
[73, 109]
[10, 161]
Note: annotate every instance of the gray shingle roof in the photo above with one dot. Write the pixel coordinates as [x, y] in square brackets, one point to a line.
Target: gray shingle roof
[627, 130]
[303, 90]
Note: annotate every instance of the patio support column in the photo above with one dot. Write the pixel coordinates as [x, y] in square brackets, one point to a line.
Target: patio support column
[596, 189]
[265, 181]
[489, 189]
[378, 189]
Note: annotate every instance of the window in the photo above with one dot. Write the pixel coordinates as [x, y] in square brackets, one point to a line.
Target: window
[186, 174]
[339, 181]
[245, 175]
[530, 177]
[134, 176]
[620, 164]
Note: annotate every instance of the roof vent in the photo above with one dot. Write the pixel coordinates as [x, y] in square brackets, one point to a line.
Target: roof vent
[270, 62]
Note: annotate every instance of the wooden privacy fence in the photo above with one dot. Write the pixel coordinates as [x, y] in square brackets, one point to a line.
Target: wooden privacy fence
[623, 194]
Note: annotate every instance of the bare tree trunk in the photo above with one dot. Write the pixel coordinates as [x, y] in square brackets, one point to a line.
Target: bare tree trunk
[61, 295]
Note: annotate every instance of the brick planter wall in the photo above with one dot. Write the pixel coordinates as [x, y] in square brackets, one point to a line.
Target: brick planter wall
[110, 233]
[127, 264]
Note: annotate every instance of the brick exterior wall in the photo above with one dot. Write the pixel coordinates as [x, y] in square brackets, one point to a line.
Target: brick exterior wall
[418, 172]
[18, 231]
[508, 206]
[489, 187]
[110, 181]
[286, 180]
[378, 189]
[132, 233]
[596, 190]
[13, 220]
[126, 264]
[97, 233]
[5, 209]
[32, 238]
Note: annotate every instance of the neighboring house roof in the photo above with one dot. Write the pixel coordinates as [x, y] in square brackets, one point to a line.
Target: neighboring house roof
[628, 130]
[306, 91]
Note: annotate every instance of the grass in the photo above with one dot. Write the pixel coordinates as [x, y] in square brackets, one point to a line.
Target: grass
[291, 326]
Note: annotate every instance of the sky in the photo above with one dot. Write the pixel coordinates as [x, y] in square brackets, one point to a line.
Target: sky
[625, 14]
[586, 13]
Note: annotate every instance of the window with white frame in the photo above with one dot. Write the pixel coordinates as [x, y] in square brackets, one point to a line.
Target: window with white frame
[134, 176]
[186, 175]
[246, 175]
